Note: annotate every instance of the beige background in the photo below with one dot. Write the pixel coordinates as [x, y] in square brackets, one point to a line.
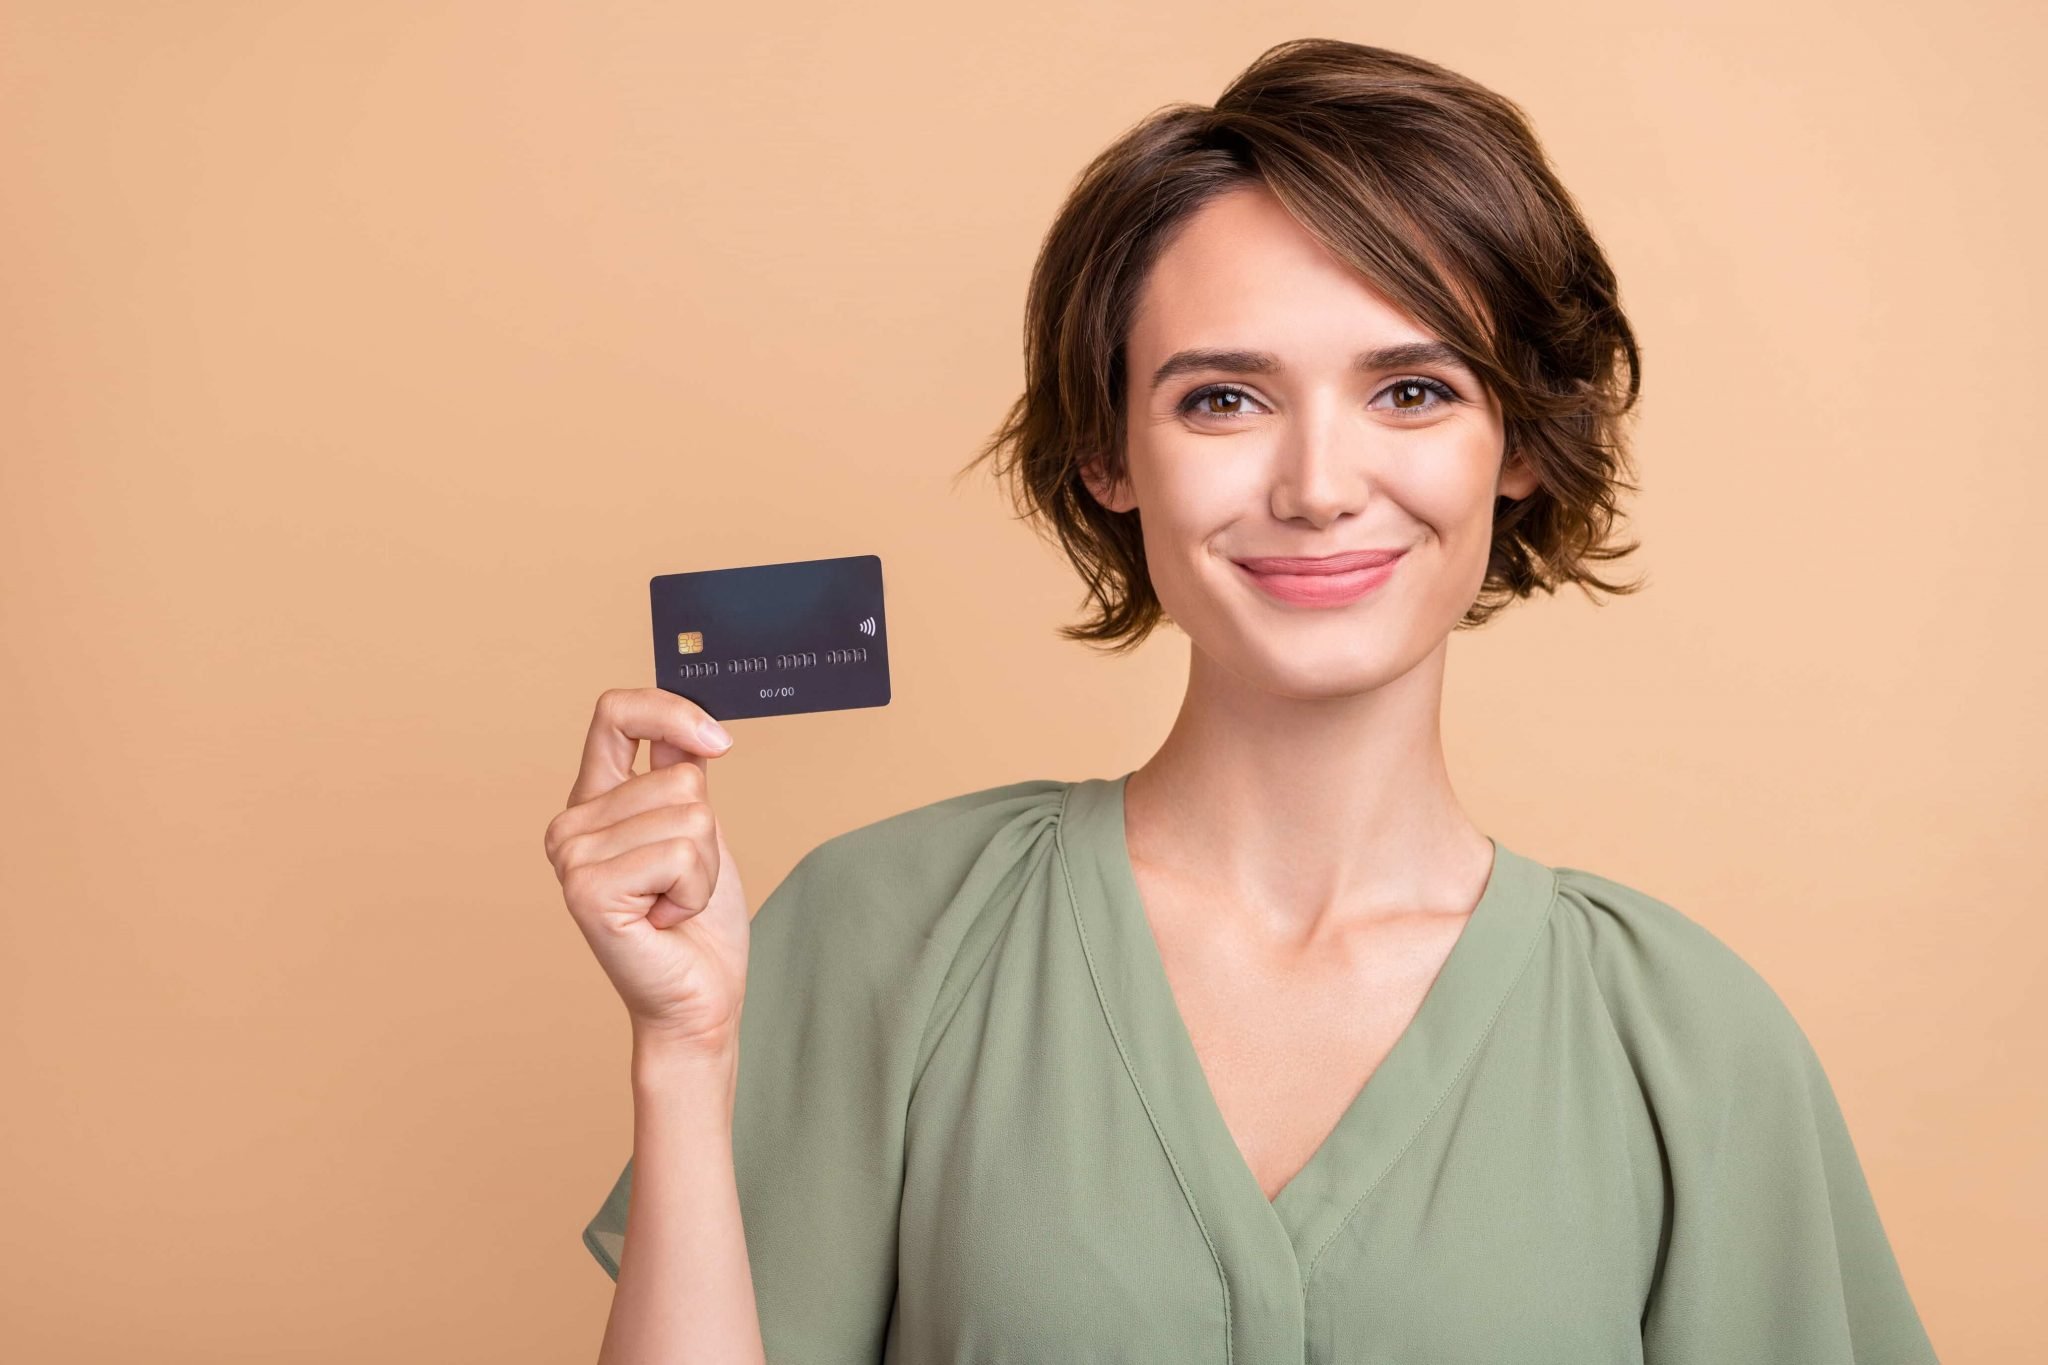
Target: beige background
[359, 363]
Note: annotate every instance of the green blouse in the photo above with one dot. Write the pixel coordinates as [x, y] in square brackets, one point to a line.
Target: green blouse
[971, 1127]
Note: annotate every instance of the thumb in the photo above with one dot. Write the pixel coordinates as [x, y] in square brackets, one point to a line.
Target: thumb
[662, 754]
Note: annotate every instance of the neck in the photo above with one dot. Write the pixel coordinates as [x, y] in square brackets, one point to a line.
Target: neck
[1297, 818]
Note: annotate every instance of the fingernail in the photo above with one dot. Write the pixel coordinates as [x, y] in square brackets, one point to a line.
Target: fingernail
[714, 734]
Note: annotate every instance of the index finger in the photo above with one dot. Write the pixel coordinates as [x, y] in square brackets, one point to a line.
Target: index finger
[624, 717]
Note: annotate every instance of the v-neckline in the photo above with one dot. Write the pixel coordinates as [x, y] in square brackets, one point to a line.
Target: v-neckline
[1401, 1096]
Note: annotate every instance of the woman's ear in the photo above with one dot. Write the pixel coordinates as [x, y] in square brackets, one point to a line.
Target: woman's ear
[1518, 478]
[1113, 494]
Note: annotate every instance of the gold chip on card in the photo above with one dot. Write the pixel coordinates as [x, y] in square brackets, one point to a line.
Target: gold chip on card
[690, 642]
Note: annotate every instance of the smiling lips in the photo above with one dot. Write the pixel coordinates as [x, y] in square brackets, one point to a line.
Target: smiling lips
[1328, 581]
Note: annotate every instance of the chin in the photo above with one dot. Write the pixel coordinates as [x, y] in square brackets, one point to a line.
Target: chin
[1307, 675]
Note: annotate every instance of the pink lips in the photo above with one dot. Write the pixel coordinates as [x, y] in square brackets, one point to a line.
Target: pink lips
[1329, 581]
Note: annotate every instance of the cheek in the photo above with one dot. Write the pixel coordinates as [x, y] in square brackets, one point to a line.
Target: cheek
[1450, 497]
[1192, 497]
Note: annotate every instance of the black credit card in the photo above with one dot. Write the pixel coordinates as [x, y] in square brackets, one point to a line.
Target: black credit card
[773, 639]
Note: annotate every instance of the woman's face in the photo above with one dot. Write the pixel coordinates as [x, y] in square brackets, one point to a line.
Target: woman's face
[1303, 453]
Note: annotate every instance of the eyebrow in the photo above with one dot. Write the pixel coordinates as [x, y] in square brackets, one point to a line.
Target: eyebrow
[1405, 355]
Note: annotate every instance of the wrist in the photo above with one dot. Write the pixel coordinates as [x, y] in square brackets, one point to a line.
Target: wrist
[667, 1064]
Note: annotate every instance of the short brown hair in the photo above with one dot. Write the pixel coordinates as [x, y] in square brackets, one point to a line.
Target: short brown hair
[1436, 190]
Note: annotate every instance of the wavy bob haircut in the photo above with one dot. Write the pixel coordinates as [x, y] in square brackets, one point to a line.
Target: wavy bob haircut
[1430, 185]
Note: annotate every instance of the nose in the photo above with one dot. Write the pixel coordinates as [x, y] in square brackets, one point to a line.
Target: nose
[1320, 472]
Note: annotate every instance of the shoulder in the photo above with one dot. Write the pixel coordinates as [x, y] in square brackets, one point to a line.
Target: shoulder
[1682, 1001]
[943, 839]
[889, 902]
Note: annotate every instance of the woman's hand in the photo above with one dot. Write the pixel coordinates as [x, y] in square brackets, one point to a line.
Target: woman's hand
[647, 876]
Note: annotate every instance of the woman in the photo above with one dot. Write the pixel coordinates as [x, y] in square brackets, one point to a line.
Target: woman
[1262, 1051]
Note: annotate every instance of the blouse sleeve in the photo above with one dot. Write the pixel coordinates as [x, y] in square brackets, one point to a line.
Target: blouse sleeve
[845, 965]
[1770, 1247]
[1775, 1248]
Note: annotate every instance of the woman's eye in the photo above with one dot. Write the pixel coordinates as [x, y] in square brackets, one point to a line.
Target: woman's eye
[1229, 392]
[1411, 395]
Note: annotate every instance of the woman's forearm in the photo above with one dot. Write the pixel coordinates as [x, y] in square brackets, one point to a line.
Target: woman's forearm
[685, 1292]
